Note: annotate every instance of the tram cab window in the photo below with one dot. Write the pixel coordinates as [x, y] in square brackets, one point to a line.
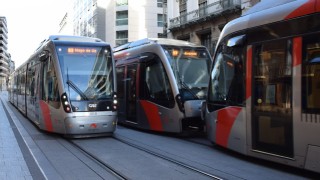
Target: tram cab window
[156, 83]
[227, 77]
[311, 75]
[50, 92]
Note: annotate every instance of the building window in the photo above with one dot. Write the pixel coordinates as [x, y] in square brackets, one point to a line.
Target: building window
[160, 20]
[183, 11]
[162, 35]
[206, 41]
[160, 3]
[121, 37]
[202, 7]
[121, 2]
[122, 18]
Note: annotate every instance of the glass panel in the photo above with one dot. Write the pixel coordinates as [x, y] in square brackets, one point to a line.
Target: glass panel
[202, 8]
[50, 88]
[120, 82]
[311, 75]
[227, 78]
[160, 3]
[157, 85]
[121, 2]
[131, 92]
[87, 72]
[191, 68]
[121, 37]
[272, 98]
[160, 20]
[122, 18]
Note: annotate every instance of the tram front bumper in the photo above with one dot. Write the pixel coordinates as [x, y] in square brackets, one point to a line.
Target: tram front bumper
[78, 125]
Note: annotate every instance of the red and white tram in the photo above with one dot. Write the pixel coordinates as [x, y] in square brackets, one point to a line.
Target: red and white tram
[161, 84]
[68, 87]
[264, 91]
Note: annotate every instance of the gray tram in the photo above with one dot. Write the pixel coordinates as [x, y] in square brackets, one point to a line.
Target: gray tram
[68, 87]
[161, 84]
[264, 91]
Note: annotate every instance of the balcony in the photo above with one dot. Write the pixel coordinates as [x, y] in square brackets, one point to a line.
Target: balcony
[3, 38]
[211, 11]
[3, 62]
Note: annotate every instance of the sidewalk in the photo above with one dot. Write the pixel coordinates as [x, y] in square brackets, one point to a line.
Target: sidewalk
[12, 162]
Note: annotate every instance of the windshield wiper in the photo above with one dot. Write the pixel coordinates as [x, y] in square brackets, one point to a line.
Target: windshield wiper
[75, 88]
[185, 86]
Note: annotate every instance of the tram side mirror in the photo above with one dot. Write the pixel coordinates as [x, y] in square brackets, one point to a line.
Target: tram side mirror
[236, 41]
[44, 55]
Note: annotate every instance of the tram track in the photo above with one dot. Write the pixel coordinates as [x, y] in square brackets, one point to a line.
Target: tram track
[161, 156]
[121, 176]
[97, 160]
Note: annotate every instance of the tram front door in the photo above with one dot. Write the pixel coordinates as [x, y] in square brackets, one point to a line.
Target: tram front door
[272, 99]
[131, 95]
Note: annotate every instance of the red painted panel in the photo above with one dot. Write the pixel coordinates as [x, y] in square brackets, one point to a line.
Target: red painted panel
[249, 73]
[306, 8]
[46, 115]
[318, 6]
[226, 118]
[297, 51]
[152, 113]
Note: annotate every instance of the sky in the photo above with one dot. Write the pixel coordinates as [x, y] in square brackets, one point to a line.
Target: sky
[29, 22]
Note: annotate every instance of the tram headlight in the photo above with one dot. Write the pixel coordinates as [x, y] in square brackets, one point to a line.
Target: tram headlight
[114, 102]
[65, 103]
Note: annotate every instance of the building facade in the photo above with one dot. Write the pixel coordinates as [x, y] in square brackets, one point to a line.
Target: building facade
[118, 21]
[5, 58]
[201, 21]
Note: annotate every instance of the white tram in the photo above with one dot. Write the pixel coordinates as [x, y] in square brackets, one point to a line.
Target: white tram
[68, 87]
[264, 91]
[161, 84]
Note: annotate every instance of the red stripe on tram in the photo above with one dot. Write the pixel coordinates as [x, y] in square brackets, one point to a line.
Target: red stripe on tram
[249, 72]
[226, 118]
[318, 6]
[46, 116]
[152, 113]
[297, 51]
[306, 8]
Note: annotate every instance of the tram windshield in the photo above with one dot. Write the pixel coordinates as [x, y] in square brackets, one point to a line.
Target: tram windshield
[87, 72]
[191, 68]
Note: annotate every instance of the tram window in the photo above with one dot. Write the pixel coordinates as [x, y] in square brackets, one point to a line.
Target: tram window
[272, 77]
[30, 81]
[227, 77]
[23, 82]
[157, 85]
[120, 82]
[50, 91]
[311, 75]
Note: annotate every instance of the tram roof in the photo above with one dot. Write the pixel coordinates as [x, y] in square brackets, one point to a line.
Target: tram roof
[73, 38]
[269, 11]
[161, 41]
[70, 39]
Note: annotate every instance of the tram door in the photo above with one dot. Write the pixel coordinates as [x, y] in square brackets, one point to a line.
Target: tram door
[131, 93]
[272, 98]
[32, 92]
